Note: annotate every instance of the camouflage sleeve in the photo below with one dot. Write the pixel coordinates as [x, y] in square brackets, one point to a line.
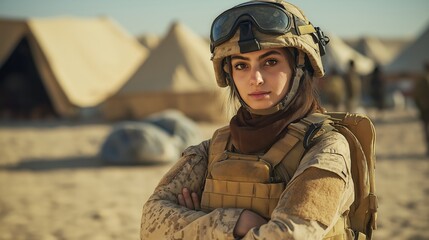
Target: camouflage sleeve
[315, 198]
[164, 218]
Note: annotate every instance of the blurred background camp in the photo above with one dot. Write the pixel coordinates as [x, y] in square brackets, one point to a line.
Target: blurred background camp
[98, 99]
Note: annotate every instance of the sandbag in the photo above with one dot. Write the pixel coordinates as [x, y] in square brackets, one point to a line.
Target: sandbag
[160, 138]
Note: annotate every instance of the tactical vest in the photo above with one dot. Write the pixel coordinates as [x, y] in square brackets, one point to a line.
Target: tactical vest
[256, 182]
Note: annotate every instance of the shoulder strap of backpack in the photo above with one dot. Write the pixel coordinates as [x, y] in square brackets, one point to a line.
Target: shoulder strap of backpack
[298, 138]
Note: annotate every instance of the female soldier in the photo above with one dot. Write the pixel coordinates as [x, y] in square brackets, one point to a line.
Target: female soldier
[239, 184]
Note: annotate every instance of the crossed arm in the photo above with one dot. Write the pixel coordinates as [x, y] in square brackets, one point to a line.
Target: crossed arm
[173, 211]
[246, 221]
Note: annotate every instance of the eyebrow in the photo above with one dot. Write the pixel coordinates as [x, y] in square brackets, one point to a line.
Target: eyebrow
[273, 52]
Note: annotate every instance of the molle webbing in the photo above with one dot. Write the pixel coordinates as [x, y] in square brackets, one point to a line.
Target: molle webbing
[261, 191]
[261, 198]
[258, 193]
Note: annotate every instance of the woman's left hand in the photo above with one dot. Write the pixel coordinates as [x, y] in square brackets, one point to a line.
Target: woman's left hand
[189, 199]
[247, 221]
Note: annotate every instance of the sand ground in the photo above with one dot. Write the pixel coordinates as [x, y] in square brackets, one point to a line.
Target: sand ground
[53, 186]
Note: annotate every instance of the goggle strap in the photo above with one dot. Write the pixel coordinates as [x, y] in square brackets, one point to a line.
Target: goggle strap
[306, 29]
[296, 80]
[247, 42]
[295, 84]
[300, 60]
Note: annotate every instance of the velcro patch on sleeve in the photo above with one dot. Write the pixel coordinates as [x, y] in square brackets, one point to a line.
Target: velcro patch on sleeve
[314, 195]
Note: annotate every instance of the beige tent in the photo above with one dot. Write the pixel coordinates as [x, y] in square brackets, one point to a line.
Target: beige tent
[338, 55]
[380, 50]
[413, 57]
[149, 41]
[396, 45]
[81, 62]
[178, 74]
[376, 50]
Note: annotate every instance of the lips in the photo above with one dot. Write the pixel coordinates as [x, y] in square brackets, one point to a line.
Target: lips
[259, 94]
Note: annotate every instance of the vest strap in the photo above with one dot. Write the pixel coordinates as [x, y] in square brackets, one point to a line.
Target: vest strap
[280, 149]
[218, 145]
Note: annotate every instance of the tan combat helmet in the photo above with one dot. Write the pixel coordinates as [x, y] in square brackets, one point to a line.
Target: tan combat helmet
[266, 24]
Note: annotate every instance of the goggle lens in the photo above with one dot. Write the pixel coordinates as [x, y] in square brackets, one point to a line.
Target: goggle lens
[268, 18]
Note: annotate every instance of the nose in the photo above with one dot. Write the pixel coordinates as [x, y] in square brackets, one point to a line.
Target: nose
[256, 77]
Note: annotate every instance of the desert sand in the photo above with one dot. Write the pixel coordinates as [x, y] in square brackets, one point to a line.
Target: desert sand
[53, 186]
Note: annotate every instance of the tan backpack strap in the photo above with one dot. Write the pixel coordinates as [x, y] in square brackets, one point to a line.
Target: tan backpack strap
[313, 126]
[218, 145]
[282, 148]
[292, 146]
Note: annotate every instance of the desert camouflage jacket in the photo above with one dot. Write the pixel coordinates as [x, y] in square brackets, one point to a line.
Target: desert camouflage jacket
[318, 194]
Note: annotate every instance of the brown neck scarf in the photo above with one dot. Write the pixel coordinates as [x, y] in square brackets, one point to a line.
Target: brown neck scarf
[253, 134]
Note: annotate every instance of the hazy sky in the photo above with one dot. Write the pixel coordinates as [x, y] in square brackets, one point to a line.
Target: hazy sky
[346, 18]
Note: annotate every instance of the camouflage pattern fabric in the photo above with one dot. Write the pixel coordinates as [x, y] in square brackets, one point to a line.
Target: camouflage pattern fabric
[324, 173]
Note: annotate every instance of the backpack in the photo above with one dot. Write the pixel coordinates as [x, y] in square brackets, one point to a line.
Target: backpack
[356, 128]
[360, 133]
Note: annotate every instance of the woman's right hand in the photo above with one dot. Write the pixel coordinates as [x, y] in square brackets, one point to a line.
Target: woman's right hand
[246, 221]
[189, 200]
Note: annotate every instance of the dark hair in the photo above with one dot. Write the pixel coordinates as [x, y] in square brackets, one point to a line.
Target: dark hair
[307, 95]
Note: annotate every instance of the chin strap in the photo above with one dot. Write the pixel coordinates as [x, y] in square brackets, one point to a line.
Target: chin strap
[284, 103]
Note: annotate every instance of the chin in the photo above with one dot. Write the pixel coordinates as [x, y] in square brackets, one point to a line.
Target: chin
[260, 106]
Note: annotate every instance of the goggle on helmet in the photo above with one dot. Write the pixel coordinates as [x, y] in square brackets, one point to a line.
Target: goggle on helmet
[277, 24]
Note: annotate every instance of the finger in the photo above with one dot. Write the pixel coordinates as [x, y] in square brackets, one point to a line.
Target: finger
[181, 200]
[188, 199]
[195, 200]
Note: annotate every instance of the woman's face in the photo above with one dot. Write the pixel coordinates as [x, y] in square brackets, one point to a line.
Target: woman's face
[262, 78]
